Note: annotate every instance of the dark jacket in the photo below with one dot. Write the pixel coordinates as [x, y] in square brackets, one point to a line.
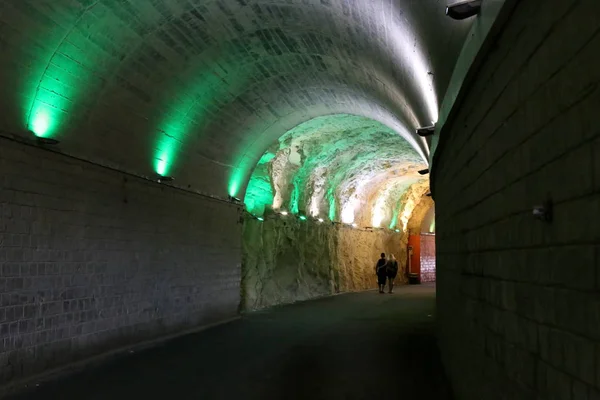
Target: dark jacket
[380, 268]
[391, 268]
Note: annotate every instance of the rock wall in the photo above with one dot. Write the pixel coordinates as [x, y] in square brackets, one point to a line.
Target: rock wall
[287, 260]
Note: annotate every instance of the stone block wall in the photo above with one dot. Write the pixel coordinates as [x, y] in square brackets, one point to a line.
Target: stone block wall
[427, 258]
[518, 298]
[92, 259]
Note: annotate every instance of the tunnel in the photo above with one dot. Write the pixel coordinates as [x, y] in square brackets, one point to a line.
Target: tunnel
[189, 187]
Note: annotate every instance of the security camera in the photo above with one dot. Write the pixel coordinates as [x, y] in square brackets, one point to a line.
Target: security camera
[463, 9]
[427, 131]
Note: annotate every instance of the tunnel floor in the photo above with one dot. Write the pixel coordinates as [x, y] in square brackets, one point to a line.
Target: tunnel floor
[354, 346]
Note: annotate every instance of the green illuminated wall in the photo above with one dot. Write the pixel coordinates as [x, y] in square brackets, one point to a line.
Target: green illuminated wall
[350, 149]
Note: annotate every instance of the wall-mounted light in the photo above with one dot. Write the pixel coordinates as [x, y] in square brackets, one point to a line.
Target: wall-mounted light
[320, 220]
[284, 213]
[427, 131]
[544, 212]
[46, 141]
[302, 217]
[163, 179]
[397, 230]
[424, 171]
[233, 199]
[261, 219]
[463, 9]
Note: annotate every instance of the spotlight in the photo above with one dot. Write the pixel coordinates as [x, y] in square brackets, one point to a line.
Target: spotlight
[320, 220]
[234, 199]
[354, 225]
[303, 217]
[46, 141]
[261, 219]
[398, 230]
[463, 9]
[162, 179]
[424, 171]
[284, 213]
[427, 131]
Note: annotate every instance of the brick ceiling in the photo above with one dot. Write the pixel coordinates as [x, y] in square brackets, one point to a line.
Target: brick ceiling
[199, 89]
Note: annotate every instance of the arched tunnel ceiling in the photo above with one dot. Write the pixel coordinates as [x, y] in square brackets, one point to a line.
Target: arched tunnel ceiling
[198, 89]
[342, 167]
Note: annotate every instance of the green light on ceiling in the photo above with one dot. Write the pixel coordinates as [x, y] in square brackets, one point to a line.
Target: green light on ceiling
[266, 158]
[64, 74]
[192, 101]
[233, 188]
[259, 192]
[394, 221]
[332, 204]
[295, 199]
[161, 165]
[41, 123]
[238, 176]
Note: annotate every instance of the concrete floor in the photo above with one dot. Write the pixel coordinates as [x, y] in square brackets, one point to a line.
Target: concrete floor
[354, 346]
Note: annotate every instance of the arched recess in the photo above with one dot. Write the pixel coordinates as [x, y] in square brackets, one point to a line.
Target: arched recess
[327, 197]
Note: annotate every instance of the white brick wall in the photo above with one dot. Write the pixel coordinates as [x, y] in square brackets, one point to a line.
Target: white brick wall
[91, 259]
[518, 299]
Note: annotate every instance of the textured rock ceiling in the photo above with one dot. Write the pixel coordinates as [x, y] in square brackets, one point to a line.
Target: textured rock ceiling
[341, 167]
[199, 89]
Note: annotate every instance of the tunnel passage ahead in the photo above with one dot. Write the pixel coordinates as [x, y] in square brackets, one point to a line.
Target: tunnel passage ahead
[353, 346]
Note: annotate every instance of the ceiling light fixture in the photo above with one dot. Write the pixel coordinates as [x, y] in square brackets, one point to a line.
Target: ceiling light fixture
[427, 131]
[46, 140]
[463, 9]
[162, 179]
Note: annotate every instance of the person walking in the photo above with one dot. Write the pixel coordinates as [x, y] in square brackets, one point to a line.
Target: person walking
[381, 272]
[391, 269]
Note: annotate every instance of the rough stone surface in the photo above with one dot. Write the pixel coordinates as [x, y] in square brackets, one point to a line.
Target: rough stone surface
[287, 260]
[341, 168]
[92, 259]
[518, 298]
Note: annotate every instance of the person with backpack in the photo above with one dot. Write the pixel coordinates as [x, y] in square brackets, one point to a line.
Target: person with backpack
[391, 269]
[381, 272]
